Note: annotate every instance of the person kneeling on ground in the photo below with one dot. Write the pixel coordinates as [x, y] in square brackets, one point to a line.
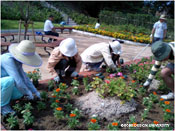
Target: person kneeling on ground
[98, 53]
[64, 60]
[162, 52]
[14, 81]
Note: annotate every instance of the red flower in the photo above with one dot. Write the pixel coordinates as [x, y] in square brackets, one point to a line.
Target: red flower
[54, 96]
[72, 115]
[167, 102]
[161, 99]
[59, 109]
[133, 81]
[155, 122]
[154, 93]
[58, 89]
[134, 124]
[107, 81]
[93, 120]
[57, 101]
[168, 110]
[114, 124]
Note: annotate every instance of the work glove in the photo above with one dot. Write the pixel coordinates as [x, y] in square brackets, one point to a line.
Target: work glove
[29, 95]
[38, 95]
[147, 83]
[74, 74]
[57, 79]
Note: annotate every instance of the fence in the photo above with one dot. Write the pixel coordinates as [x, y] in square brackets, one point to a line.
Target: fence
[144, 20]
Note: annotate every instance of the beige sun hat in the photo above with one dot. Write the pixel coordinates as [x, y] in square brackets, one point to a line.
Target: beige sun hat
[24, 52]
[163, 17]
[68, 47]
[116, 47]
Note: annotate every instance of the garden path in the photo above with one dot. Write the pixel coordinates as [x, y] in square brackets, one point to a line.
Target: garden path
[84, 41]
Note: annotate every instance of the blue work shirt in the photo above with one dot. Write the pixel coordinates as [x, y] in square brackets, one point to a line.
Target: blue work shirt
[11, 67]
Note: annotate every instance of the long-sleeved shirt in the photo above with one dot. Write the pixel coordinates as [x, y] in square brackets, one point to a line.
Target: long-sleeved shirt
[157, 64]
[56, 56]
[11, 67]
[96, 53]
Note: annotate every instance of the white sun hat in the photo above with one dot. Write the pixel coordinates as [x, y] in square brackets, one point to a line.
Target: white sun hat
[163, 17]
[68, 47]
[24, 52]
[116, 47]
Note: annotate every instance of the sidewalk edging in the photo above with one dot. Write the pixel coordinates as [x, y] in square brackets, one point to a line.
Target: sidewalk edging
[110, 38]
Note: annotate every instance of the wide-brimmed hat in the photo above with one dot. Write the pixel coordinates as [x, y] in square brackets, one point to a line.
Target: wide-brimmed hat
[116, 47]
[24, 52]
[68, 47]
[160, 50]
[162, 17]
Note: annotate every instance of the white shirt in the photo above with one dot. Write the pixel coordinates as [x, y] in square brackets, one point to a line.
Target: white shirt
[96, 53]
[159, 29]
[97, 25]
[48, 25]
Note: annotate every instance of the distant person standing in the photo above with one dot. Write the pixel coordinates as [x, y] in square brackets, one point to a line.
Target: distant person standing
[49, 28]
[159, 29]
[97, 25]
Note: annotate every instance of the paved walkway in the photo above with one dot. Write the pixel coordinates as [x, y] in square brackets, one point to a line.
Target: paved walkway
[84, 41]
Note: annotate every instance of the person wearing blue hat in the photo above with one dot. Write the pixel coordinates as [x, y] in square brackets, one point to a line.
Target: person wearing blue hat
[14, 81]
[163, 52]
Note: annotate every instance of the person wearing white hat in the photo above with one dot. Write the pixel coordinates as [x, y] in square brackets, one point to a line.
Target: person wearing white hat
[64, 60]
[14, 81]
[159, 29]
[98, 53]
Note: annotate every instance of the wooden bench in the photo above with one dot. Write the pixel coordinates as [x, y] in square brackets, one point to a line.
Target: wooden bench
[4, 35]
[45, 45]
[63, 28]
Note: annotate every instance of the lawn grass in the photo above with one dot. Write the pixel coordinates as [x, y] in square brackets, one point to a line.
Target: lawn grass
[14, 24]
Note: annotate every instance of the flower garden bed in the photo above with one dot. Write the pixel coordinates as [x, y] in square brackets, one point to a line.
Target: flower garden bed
[57, 109]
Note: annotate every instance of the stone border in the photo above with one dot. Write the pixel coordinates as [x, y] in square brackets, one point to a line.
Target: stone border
[110, 38]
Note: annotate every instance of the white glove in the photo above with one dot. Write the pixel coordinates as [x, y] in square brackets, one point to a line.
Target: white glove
[38, 95]
[74, 74]
[147, 83]
[151, 36]
[29, 95]
[57, 79]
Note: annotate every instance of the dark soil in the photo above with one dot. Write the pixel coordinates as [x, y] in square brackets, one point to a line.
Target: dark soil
[45, 120]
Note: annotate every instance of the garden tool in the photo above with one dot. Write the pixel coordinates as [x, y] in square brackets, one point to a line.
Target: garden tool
[141, 51]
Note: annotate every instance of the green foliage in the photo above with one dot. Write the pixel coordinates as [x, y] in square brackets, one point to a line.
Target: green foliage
[58, 114]
[17, 107]
[36, 13]
[34, 75]
[51, 85]
[63, 87]
[96, 82]
[153, 98]
[28, 106]
[114, 125]
[163, 87]
[28, 118]
[12, 121]
[41, 105]
[73, 118]
[44, 95]
[68, 107]
[54, 105]
[144, 114]
[75, 82]
[93, 124]
[85, 81]
[127, 19]
[116, 87]
[75, 90]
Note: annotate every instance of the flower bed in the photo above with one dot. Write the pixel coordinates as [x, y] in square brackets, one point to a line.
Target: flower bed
[57, 109]
[142, 38]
